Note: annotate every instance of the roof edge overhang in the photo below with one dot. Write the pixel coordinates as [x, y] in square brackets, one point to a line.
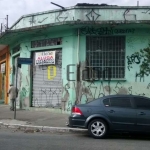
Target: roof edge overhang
[75, 24]
[81, 7]
[2, 47]
[79, 22]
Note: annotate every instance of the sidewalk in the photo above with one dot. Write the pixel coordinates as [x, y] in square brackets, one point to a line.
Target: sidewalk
[36, 118]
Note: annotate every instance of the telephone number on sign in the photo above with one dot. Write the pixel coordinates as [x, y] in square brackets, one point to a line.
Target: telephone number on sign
[50, 61]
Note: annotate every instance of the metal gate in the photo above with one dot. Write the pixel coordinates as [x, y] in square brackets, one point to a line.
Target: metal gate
[47, 83]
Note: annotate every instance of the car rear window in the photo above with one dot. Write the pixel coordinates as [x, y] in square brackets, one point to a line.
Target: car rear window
[117, 102]
[94, 102]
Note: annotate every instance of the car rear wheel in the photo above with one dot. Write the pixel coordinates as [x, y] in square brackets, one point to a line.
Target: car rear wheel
[98, 128]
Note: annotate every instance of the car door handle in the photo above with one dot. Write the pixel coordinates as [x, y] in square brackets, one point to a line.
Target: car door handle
[111, 111]
[141, 113]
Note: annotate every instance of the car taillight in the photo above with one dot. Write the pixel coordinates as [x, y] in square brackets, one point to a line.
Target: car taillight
[76, 111]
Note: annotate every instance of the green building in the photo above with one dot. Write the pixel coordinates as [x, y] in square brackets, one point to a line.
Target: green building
[79, 54]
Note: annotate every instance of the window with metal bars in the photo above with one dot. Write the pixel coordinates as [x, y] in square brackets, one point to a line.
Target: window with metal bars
[106, 56]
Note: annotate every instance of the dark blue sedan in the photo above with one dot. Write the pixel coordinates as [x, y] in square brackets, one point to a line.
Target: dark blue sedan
[112, 113]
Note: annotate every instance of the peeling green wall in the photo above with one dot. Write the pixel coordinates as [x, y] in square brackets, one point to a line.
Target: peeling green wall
[83, 91]
[68, 47]
[129, 85]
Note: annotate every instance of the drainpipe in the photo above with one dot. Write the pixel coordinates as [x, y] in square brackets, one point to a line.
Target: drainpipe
[78, 68]
[78, 45]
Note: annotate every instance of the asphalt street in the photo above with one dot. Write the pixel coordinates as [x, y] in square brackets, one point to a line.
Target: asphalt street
[11, 139]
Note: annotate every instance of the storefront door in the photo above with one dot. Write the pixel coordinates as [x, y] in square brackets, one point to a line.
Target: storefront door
[47, 83]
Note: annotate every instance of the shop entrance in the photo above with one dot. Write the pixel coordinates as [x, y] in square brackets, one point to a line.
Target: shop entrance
[47, 83]
[2, 83]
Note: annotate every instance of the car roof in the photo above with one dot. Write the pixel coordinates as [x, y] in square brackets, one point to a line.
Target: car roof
[122, 95]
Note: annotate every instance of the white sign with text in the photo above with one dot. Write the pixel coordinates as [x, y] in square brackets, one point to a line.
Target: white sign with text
[45, 58]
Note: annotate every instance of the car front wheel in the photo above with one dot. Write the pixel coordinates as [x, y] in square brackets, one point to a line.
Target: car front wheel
[97, 128]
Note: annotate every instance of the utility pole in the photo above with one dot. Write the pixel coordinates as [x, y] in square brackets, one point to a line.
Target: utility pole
[16, 88]
[7, 22]
[1, 29]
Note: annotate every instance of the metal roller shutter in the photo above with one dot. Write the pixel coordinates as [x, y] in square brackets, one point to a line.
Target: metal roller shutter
[47, 83]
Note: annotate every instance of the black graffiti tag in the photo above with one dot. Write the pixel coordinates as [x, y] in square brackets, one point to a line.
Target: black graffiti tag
[139, 76]
[128, 14]
[133, 59]
[104, 31]
[118, 87]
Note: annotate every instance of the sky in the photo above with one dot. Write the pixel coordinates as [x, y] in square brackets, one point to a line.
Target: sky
[17, 8]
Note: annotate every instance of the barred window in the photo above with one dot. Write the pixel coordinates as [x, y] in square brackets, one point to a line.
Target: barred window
[106, 55]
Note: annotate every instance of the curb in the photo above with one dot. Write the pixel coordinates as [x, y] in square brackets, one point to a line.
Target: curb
[32, 128]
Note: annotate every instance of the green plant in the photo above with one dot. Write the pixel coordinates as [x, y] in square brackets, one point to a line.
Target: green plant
[145, 64]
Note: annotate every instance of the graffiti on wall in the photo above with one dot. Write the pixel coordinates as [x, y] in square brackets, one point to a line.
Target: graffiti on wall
[95, 84]
[88, 90]
[48, 97]
[42, 20]
[138, 59]
[67, 103]
[32, 20]
[133, 59]
[146, 12]
[105, 31]
[62, 16]
[139, 77]
[92, 89]
[129, 14]
[92, 15]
